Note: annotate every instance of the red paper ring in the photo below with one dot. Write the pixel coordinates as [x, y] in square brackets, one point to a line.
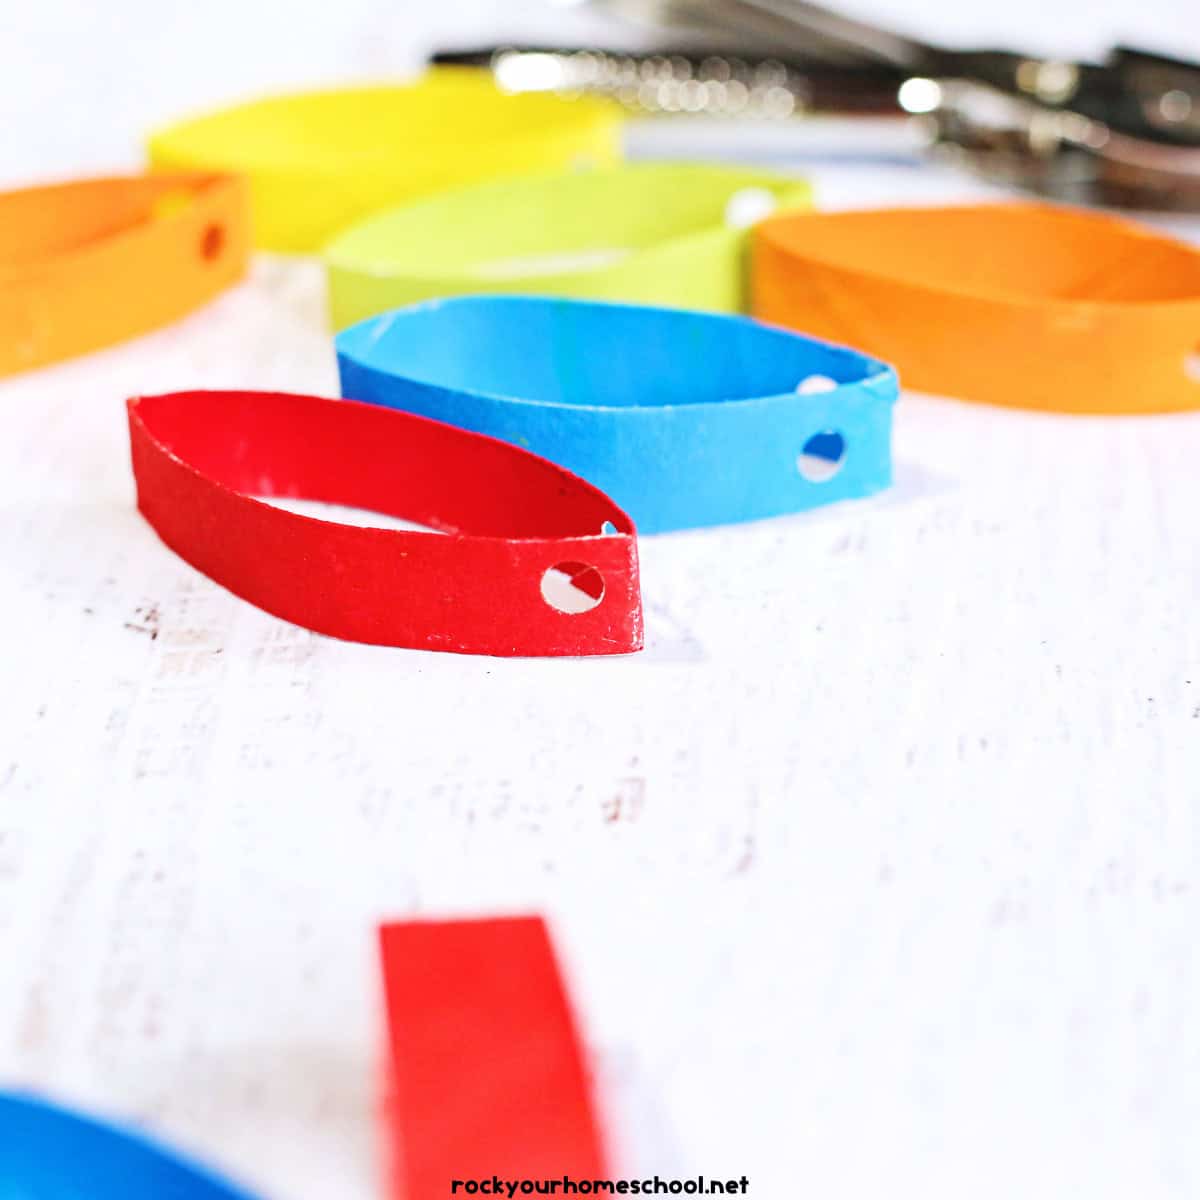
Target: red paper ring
[200, 458]
[488, 1077]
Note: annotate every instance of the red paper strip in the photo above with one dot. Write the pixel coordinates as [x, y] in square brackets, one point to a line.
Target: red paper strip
[199, 458]
[487, 1069]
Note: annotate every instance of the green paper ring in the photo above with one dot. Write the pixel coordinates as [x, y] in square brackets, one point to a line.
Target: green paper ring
[669, 234]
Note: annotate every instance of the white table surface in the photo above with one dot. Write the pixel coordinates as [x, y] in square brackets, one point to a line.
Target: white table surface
[876, 874]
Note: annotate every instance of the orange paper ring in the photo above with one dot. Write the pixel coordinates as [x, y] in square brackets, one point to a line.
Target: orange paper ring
[87, 264]
[1026, 305]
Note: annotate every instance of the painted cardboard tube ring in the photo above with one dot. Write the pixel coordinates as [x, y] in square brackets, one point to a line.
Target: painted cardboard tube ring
[686, 419]
[55, 1153]
[86, 264]
[532, 560]
[1025, 305]
[319, 161]
[653, 233]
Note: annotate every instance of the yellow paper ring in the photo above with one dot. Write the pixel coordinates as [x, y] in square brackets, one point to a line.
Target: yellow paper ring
[318, 161]
[652, 233]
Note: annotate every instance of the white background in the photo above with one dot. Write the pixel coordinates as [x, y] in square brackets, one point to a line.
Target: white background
[875, 873]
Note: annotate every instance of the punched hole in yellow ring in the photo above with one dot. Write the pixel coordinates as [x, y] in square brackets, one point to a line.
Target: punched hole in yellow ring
[749, 206]
[1191, 365]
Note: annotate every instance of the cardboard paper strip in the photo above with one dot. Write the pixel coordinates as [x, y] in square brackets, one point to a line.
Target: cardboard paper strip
[53, 1153]
[90, 263]
[686, 419]
[319, 161]
[1026, 305]
[487, 1073]
[653, 233]
[532, 560]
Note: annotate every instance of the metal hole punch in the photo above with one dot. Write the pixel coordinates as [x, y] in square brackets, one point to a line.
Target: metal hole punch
[1123, 131]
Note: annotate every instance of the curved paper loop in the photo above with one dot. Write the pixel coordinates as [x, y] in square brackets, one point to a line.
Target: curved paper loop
[488, 1077]
[53, 1153]
[654, 233]
[1025, 305]
[86, 264]
[513, 525]
[684, 418]
[321, 160]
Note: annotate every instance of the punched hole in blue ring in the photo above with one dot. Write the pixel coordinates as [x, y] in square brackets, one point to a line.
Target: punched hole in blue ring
[822, 455]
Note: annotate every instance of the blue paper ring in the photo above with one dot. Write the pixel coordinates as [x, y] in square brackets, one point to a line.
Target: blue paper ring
[55, 1153]
[684, 418]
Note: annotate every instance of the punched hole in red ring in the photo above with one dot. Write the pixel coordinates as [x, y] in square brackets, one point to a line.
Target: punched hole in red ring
[572, 587]
[212, 242]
